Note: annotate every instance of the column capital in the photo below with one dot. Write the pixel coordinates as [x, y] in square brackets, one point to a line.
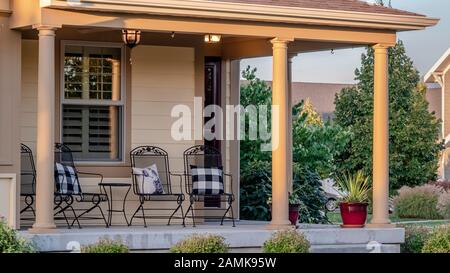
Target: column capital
[46, 28]
[281, 41]
[382, 47]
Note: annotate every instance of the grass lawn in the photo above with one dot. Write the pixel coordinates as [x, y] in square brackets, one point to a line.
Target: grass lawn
[335, 218]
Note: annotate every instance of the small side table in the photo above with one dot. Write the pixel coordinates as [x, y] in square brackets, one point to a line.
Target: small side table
[105, 185]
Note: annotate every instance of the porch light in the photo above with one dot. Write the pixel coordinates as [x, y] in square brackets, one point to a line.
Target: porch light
[212, 38]
[131, 37]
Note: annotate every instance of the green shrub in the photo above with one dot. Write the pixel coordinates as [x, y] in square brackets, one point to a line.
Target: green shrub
[106, 246]
[288, 241]
[438, 241]
[418, 202]
[313, 199]
[10, 242]
[201, 244]
[443, 205]
[415, 237]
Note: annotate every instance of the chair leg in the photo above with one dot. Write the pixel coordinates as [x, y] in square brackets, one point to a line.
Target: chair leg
[182, 216]
[103, 215]
[33, 211]
[232, 216]
[191, 209]
[230, 208]
[175, 211]
[96, 205]
[143, 216]
[134, 214]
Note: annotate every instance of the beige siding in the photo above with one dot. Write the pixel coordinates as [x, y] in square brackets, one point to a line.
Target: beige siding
[434, 98]
[29, 93]
[446, 99]
[162, 77]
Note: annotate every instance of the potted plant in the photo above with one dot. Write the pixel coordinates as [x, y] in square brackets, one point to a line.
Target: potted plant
[294, 206]
[354, 201]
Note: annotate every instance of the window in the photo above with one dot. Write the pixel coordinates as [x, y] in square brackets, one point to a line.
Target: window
[92, 102]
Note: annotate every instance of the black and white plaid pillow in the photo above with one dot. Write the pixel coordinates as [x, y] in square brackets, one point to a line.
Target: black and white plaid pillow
[66, 180]
[207, 180]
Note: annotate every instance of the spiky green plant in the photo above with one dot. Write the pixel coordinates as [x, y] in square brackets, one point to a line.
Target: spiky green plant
[355, 187]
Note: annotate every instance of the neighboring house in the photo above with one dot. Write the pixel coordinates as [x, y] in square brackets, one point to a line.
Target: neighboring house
[439, 78]
[67, 76]
[322, 95]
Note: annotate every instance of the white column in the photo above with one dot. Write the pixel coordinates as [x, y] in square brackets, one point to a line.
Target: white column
[289, 134]
[381, 138]
[280, 157]
[45, 130]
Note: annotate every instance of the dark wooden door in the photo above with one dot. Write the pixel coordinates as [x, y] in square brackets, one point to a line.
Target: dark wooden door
[213, 90]
[213, 97]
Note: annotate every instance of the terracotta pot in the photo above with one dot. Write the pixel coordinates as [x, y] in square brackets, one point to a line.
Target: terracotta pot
[293, 214]
[353, 215]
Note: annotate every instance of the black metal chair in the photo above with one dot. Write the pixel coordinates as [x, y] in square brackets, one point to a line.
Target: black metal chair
[206, 156]
[27, 180]
[146, 156]
[64, 201]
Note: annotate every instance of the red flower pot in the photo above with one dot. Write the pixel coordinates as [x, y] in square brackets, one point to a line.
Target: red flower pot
[353, 215]
[293, 214]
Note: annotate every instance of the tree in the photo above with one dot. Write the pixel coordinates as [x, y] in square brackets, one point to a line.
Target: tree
[381, 3]
[414, 132]
[315, 146]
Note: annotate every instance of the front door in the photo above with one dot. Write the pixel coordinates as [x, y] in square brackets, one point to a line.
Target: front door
[212, 97]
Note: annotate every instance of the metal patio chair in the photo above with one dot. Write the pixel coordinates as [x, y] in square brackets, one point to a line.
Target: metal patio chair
[27, 180]
[146, 156]
[205, 156]
[64, 200]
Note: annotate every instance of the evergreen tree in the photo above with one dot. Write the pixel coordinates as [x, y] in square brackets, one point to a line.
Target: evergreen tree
[414, 132]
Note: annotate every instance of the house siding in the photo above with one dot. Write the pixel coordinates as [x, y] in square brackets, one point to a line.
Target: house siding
[162, 77]
[28, 109]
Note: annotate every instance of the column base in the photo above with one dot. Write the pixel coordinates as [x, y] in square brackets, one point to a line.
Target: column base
[381, 225]
[280, 226]
[44, 228]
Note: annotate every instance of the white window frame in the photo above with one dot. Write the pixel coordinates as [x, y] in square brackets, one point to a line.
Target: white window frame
[121, 102]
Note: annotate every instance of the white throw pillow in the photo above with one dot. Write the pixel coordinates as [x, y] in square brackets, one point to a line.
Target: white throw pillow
[148, 181]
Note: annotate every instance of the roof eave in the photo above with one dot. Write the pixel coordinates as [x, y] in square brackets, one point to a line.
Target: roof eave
[437, 68]
[252, 12]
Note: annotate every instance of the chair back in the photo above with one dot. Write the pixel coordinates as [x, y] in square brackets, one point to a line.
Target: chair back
[27, 171]
[63, 155]
[202, 156]
[146, 156]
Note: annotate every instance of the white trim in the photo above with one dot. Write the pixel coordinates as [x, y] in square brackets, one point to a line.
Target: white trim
[121, 102]
[430, 76]
[12, 197]
[246, 11]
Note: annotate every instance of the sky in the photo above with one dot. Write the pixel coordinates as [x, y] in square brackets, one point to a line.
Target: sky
[424, 47]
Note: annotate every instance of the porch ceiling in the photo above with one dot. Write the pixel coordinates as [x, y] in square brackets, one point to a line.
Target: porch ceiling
[231, 47]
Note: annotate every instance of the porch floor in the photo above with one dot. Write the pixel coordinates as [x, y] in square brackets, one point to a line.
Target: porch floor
[247, 236]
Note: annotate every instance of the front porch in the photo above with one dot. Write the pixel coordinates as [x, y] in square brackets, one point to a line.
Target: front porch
[248, 236]
[68, 69]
